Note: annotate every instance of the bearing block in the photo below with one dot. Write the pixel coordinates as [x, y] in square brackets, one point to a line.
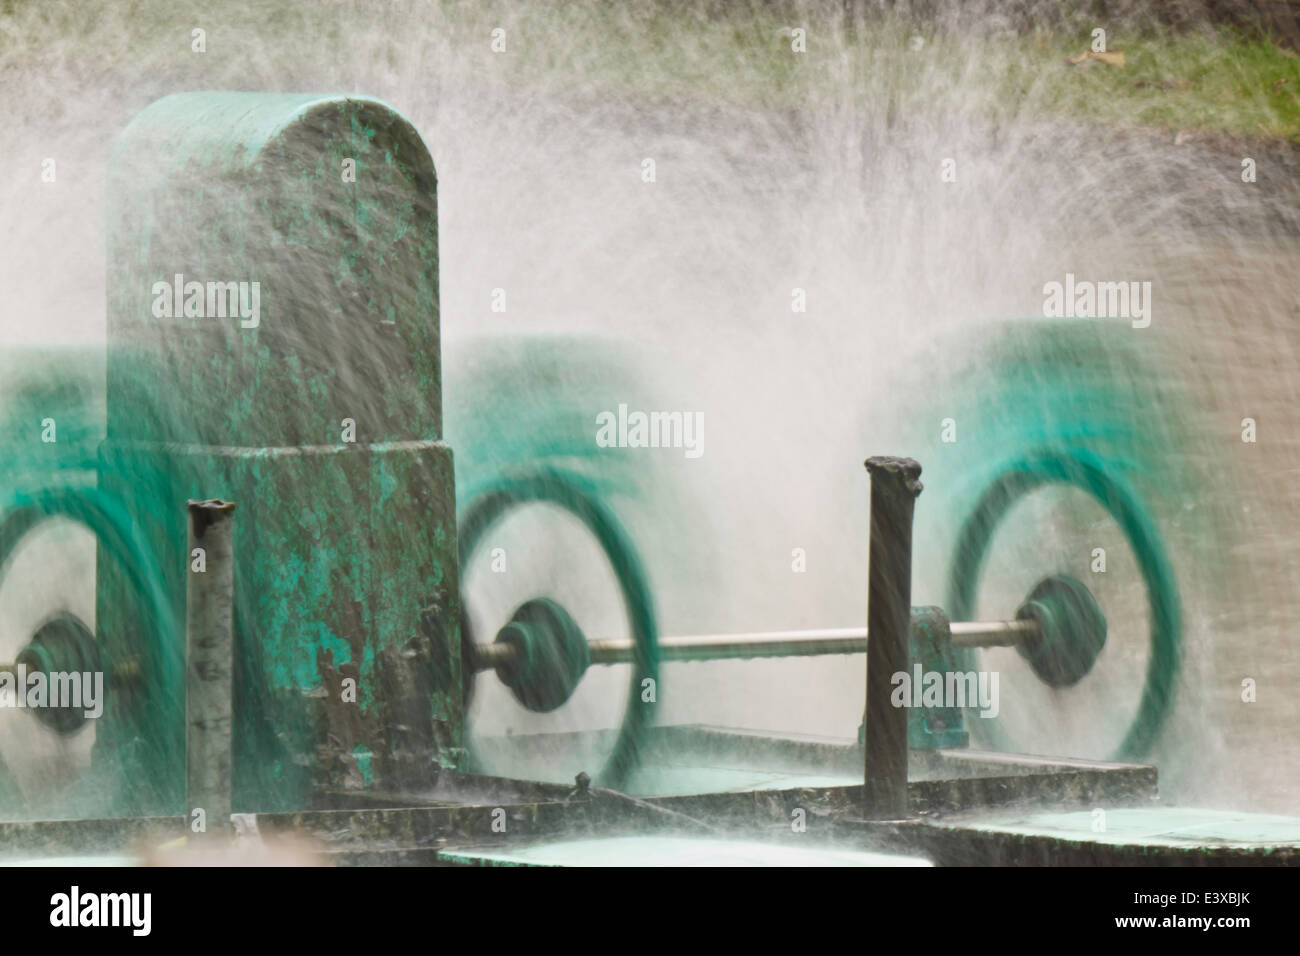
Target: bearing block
[274, 340]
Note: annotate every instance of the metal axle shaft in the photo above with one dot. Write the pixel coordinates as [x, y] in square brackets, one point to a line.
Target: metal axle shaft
[809, 643]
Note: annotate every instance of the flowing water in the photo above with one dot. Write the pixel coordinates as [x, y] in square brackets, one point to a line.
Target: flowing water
[779, 179]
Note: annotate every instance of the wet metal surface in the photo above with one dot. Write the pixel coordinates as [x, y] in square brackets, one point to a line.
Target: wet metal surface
[209, 635]
[895, 483]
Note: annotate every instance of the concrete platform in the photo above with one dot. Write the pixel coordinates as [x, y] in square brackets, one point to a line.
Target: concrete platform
[1142, 836]
[671, 851]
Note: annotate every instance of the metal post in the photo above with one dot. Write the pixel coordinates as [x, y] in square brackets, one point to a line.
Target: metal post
[894, 487]
[209, 634]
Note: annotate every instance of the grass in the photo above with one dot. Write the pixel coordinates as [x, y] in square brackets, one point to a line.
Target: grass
[1209, 80]
[1206, 80]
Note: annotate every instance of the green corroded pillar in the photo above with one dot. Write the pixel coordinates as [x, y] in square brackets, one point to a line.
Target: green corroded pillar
[273, 340]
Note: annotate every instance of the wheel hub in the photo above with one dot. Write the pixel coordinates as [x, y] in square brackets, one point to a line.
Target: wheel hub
[1071, 630]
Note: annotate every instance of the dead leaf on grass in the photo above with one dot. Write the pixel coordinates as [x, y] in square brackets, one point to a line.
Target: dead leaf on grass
[1110, 59]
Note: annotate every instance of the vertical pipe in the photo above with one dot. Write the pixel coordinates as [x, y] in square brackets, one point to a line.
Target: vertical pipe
[209, 634]
[894, 487]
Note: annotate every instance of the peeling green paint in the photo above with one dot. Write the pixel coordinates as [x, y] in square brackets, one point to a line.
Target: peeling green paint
[339, 545]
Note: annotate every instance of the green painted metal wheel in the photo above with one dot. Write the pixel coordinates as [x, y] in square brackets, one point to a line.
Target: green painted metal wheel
[578, 497]
[156, 654]
[1088, 473]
